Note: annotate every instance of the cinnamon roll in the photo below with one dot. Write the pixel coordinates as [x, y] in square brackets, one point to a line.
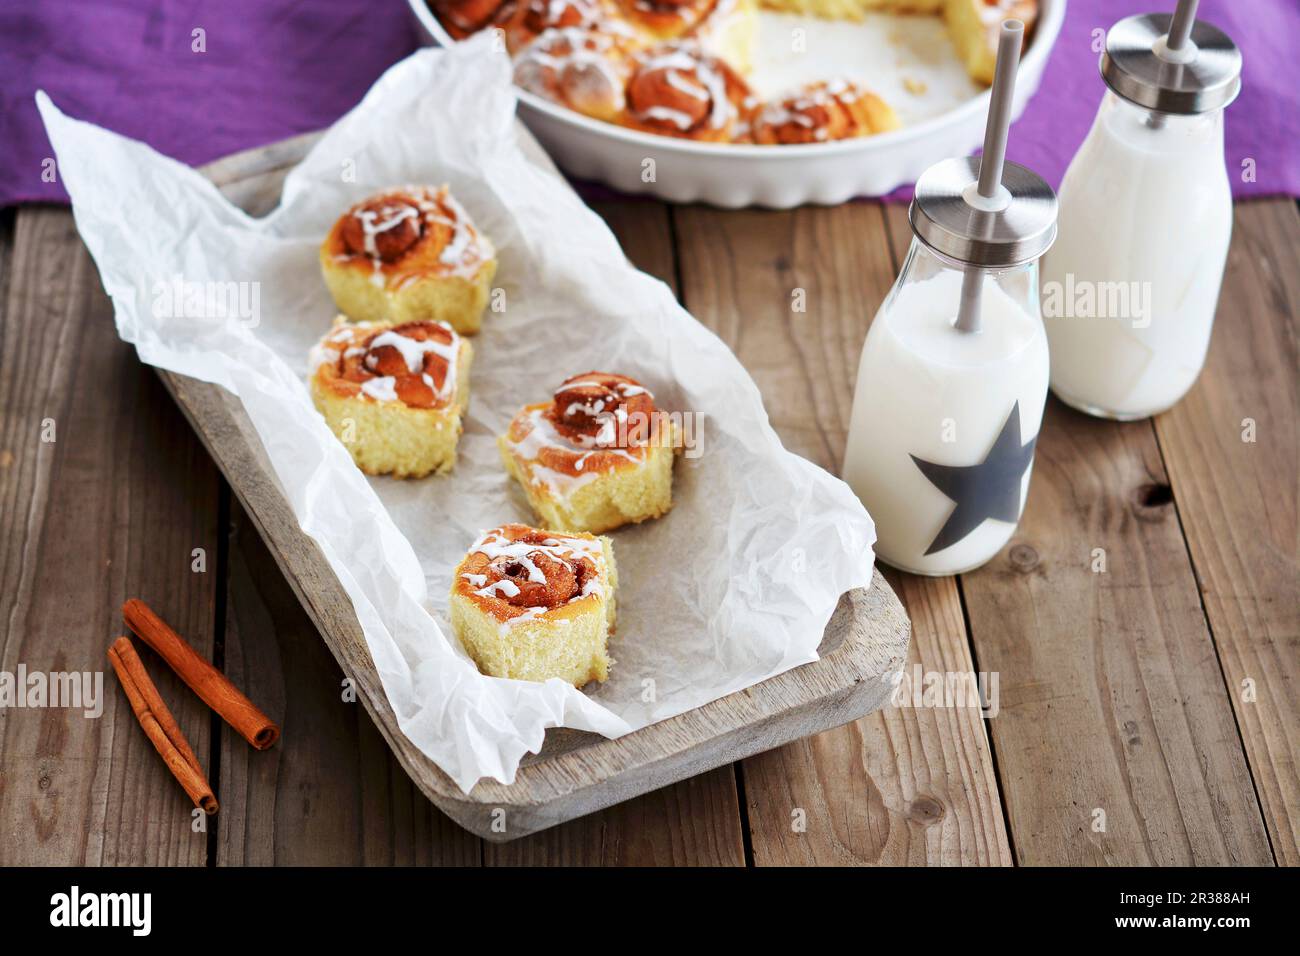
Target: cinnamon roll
[393, 394]
[535, 17]
[461, 18]
[597, 456]
[974, 26]
[821, 112]
[409, 254]
[585, 70]
[529, 604]
[679, 90]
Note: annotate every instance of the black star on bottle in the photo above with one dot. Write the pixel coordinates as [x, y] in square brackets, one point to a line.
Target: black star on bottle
[990, 489]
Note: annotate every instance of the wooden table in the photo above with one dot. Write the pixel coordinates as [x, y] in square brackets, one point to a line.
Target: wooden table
[1147, 714]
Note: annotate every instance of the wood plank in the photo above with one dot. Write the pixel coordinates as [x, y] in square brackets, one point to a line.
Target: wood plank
[1237, 500]
[330, 793]
[1110, 696]
[574, 775]
[901, 785]
[644, 230]
[112, 508]
[692, 823]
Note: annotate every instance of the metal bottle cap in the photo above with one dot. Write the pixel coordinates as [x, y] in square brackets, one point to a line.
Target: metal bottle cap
[944, 218]
[1209, 79]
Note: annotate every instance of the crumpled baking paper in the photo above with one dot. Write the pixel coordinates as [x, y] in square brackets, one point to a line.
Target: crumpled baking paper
[734, 586]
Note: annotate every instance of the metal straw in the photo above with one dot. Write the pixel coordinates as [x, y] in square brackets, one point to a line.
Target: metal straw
[995, 153]
[1180, 29]
[1176, 40]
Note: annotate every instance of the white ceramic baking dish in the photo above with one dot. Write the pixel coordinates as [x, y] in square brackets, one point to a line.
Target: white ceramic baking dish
[773, 176]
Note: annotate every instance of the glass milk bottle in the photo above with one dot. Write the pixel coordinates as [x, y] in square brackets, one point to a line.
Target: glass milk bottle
[1130, 288]
[953, 376]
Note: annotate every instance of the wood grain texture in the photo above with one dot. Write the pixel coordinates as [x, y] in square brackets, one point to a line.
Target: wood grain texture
[113, 507]
[692, 823]
[1110, 693]
[644, 229]
[574, 774]
[1237, 500]
[901, 785]
[329, 793]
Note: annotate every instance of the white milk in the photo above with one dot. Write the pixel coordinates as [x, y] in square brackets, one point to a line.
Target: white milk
[1130, 287]
[929, 390]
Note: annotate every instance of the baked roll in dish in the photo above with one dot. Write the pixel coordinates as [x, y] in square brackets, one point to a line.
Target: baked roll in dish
[535, 17]
[464, 17]
[407, 255]
[529, 604]
[595, 457]
[821, 112]
[677, 89]
[974, 26]
[667, 19]
[393, 394]
[727, 27]
[585, 70]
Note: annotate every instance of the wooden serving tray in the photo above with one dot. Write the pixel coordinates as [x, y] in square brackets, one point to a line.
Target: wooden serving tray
[575, 773]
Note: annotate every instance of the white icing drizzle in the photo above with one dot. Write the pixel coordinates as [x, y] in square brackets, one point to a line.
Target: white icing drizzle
[527, 614]
[790, 109]
[577, 61]
[684, 59]
[464, 251]
[543, 434]
[383, 388]
[322, 354]
[667, 114]
[463, 237]
[413, 352]
[694, 92]
[505, 586]
[494, 545]
[557, 482]
[625, 389]
[375, 222]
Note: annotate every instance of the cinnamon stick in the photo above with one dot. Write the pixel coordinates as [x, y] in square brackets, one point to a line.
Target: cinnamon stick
[205, 680]
[159, 724]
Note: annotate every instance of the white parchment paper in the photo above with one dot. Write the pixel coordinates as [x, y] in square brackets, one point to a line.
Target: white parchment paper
[735, 585]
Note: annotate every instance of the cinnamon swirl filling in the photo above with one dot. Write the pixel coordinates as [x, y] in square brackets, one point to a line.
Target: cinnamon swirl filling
[595, 422]
[405, 233]
[413, 363]
[680, 90]
[527, 568]
[821, 112]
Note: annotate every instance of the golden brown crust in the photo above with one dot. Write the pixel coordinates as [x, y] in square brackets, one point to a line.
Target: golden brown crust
[535, 17]
[500, 573]
[667, 19]
[677, 89]
[405, 234]
[585, 70]
[414, 363]
[821, 112]
[461, 18]
[596, 422]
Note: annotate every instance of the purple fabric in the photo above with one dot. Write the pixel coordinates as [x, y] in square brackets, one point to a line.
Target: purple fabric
[1263, 124]
[273, 69]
